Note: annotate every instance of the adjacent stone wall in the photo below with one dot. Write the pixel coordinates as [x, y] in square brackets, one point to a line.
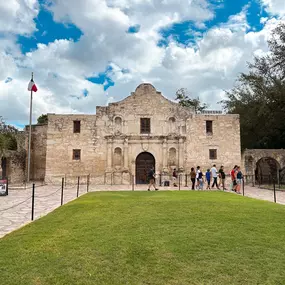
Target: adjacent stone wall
[38, 151]
[225, 138]
[15, 166]
[250, 158]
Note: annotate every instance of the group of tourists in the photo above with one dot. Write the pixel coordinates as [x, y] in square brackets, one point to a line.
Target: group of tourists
[212, 177]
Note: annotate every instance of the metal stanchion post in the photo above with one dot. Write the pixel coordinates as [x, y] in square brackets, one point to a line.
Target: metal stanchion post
[274, 190]
[62, 184]
[133, 183]
[243, 186]
[33, 201]
[186, 182]
[78, 186]
[7, 186]
[160, 180]
[179, 178]
[88, 178]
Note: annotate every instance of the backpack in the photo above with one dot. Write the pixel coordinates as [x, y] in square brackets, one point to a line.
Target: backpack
[200, 175]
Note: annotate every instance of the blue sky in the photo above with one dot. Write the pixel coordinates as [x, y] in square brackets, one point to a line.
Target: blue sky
[185, 32]
[87, 52]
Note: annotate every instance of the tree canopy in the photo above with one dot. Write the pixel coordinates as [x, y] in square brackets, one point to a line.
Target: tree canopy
[7, 137]
[259, 97]
[184, 99]
[42, 119]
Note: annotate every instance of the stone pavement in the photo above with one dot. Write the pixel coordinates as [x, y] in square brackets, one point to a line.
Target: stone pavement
[15, 209]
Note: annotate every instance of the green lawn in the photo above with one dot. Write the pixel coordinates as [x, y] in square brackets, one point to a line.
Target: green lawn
[179, 237]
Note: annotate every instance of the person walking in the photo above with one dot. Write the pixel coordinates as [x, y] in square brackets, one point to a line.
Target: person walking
[234, 178]
[239, 180]
[201, 181]
[198, 173]
[193, 177]
[208, 178]
[151, 178]
[222, 176]
[214, 173]
[174, 177]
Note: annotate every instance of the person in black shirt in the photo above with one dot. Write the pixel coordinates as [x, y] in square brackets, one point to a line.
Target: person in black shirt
[151, 178]
[222, 176]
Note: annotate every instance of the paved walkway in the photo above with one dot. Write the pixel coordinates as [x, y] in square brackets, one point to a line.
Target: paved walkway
[15, 209]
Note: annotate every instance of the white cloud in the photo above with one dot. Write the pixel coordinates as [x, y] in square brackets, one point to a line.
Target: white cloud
[276, 7]
[17, 16]
[62, 66]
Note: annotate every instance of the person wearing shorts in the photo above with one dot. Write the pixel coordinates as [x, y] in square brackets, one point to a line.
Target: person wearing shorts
[208, 178]
[239, 180]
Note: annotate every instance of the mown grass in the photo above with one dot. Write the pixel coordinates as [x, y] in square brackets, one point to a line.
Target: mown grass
[181, 237]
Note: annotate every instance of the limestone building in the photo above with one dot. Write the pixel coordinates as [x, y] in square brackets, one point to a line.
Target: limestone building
[124, 139]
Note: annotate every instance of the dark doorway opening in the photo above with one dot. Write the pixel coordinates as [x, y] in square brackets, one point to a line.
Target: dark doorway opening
[267, 169]
[4, 167]
[144, 162]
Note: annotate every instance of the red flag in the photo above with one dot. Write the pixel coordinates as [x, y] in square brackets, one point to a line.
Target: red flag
[32, 86]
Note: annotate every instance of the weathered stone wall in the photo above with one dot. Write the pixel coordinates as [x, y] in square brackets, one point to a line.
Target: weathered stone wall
[250, 158]
[16, 166]
[60, 144]
[110, 141]
[225, 138]
[38, 151]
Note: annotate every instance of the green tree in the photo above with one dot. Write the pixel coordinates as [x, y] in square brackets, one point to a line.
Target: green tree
[43, 119]
[7, 137]
[182, 96]
[259, 97]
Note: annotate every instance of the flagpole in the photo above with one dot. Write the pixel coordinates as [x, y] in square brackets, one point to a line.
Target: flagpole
[30, 134]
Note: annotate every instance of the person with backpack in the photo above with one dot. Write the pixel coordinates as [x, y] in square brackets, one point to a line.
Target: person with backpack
[174, 177]
[222, 177]
[208, 178]
[199, 177]
[151, 178]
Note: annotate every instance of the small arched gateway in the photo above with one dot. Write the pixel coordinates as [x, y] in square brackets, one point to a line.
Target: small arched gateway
[267, 168]
[144, 162]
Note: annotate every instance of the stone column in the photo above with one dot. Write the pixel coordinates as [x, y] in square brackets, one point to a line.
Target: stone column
[109, 155]
[164, 155]
[181, 154]
[126, 154]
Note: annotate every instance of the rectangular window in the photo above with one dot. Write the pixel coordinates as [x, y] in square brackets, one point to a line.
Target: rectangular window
[145, 125]
[213, 154]
[76, 126]
[209, 127]
[76, 154]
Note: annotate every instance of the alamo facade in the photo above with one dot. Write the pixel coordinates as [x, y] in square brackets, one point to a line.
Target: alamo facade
[124, 139]
[119, 143]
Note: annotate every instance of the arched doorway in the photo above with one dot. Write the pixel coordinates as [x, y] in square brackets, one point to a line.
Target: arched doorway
[144, 162]
[267, 168]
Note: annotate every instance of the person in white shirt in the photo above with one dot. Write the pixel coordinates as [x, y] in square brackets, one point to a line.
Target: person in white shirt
[214, 173]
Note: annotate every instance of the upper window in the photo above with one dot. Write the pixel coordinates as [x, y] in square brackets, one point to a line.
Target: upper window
[209, 127]
[76, 126]
[213, 154]
[145, 125]
[76, 154]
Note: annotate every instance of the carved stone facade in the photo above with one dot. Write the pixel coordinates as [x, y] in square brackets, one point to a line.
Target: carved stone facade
[107, 145]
